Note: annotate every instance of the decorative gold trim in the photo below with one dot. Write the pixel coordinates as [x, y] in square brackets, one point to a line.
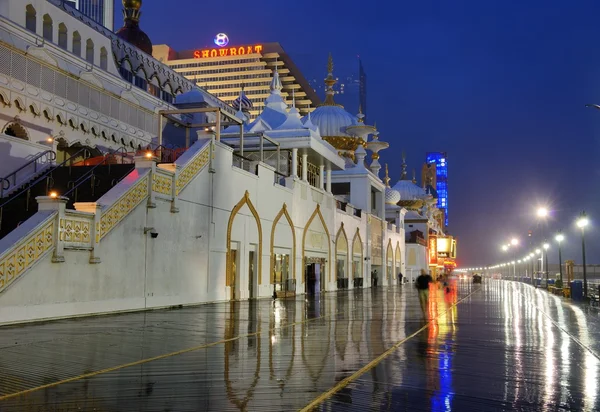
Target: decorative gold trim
[74, 230]
[162, 184]
[354, 239]
[389, 252]
[283, 212]
[341, 231]
[245, 201]
[193, 167]
[317, 212]
[123, 206]
[26, 252]
[398, 254]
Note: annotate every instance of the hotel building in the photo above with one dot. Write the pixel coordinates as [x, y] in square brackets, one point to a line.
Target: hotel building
[223, 71]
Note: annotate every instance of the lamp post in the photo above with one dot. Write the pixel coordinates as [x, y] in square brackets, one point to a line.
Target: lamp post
[559, 238]
[538, 259]
[582, 222]
[514, 242]
[546, 246]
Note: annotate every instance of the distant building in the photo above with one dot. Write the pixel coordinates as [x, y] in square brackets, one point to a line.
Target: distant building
[223, 70]
[101, 11]
[440, 159]
[362, 84]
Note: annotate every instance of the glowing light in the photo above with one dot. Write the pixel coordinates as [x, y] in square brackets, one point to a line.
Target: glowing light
[542, 212]
[228, 51]
[504, 248]
[537, 251]
[149, 155]
[50, 140]
[582, 221]
[514, 241]
[560, 237]
[53, 195]
[221, 40]
[546, 246]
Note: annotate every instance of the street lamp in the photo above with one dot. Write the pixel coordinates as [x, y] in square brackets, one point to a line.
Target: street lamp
[546, 246]
[542, 212]
[582, 222]
[504, 248]
[559, 238]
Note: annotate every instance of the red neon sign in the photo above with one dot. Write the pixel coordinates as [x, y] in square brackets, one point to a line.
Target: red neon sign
[432, 250]
[227, 51]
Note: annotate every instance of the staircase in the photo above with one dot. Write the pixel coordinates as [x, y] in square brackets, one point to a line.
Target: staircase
[79, 183]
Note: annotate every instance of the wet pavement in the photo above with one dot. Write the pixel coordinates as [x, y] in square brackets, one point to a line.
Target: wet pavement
[492, 347]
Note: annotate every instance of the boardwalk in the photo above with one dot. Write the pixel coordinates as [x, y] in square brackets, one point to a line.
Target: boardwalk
[498, 346]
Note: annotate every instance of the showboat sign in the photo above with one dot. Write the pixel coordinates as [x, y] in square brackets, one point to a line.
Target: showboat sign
[228, 51]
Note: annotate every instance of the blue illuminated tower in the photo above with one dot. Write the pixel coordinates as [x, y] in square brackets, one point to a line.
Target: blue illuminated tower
[440, 159]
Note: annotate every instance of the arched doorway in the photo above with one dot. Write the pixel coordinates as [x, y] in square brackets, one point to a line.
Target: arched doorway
[357, 259]
[315, 253]
[244, 250]
[283, 255]
[341, 258]
[389, 256]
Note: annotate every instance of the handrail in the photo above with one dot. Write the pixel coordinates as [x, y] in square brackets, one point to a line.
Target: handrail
[90, 173]
[44, 176]
[46, 153]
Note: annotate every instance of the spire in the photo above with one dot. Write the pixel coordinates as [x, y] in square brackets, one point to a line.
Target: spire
[403, 176]
[414, 179]
[131, 10]
[386, 180]
[330, 81]
[361, 116]
[276, 82]
[293, 98]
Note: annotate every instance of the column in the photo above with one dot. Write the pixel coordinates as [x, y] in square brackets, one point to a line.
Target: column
[321, 177]
[328, 187]
[294, 171]
[305, 167]
[57, 204]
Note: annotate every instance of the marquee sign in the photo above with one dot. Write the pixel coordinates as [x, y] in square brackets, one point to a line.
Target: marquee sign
[227, 51]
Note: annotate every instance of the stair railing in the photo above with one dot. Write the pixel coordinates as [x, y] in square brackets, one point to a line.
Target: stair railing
[47, 176]
[46, 157]
[90, 175]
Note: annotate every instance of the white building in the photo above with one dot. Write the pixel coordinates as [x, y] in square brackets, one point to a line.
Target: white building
[281, 205]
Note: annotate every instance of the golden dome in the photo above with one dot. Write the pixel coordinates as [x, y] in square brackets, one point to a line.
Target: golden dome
[132, 4]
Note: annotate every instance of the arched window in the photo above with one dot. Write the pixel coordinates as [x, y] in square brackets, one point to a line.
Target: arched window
[16, 130]
[62, 36]
[48, 27]
[89, 51]
[30, 18]
[103, 58]
[76, 43]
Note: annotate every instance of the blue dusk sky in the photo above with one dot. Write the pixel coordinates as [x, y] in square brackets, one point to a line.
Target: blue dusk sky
[499, 85]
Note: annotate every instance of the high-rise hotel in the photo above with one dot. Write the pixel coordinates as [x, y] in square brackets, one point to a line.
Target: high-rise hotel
[101, 11]
[224, 69]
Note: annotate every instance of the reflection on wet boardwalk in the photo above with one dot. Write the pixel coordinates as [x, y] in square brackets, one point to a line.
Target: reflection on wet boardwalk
[501, 346]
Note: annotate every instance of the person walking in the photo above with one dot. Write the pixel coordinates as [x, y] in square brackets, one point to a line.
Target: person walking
[400, 278]
[422, 285]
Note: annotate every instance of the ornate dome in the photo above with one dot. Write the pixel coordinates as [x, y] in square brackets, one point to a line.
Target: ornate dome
[392, 196]
[409, 191]
[242, 102]
[332, 120]
[131, 32]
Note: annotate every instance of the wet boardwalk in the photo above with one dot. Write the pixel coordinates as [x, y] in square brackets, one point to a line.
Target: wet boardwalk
[498, 346]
